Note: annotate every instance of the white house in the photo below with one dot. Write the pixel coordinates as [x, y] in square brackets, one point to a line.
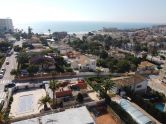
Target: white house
[84, 63]
[136, 82]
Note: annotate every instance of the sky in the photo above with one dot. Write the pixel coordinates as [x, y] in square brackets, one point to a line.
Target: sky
[136, 11]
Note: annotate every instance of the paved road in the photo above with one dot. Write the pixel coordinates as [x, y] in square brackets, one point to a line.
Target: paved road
[12, 65]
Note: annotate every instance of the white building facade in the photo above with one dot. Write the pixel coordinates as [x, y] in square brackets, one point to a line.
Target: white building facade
[6, 25]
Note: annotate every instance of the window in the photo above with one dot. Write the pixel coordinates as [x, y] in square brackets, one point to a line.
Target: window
[139, 86]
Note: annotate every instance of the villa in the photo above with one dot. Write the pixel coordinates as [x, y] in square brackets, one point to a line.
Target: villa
[83, 63]
[136, 82]
[48, 62]
[146, 67]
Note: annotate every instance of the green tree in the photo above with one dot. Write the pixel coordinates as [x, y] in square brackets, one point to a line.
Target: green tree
[54, 85]
[101, 85]
[22, 58]
[17, 36]
[44, 101]
[33, 69]
[103, 54]
[17, 48]
[14, 72]
[80, 98]
[4, 46]
[123, 66]
[1, 118]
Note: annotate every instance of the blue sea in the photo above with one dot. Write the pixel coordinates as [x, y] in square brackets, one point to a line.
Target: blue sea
[78, 27]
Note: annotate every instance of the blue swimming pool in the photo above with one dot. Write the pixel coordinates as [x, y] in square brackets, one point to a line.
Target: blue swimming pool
[25, 104]
[159, 106]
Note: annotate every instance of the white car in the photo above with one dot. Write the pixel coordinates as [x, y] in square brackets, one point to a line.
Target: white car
[3, 69]
[1, 76]
[2, 72]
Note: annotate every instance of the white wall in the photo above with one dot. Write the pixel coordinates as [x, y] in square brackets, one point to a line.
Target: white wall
[142, 86]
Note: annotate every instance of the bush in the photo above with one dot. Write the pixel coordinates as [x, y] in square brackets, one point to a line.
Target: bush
[14, 72]
[147, 105]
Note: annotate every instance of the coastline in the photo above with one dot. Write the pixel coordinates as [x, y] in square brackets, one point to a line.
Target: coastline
[78, 27]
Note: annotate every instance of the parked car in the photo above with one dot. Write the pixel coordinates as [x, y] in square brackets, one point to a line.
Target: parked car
[1, 72]
[3, 69]
[1, 76]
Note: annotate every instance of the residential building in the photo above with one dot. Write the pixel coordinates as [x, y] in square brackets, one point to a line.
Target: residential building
[162, 53]
[70, 116]
[63, 92]
[84, 63]
[146, 67]
[6, 25]
[136, 83]
[47, 62]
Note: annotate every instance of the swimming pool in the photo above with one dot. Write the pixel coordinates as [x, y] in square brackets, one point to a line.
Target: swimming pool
[25, 104]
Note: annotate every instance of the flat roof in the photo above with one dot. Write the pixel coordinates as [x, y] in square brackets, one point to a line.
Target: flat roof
[70, 116]
[136, 114]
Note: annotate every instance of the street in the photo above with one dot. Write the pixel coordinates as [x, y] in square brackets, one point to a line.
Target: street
[12, 65]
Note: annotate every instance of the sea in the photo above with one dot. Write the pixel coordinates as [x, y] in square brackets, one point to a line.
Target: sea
[77, 27]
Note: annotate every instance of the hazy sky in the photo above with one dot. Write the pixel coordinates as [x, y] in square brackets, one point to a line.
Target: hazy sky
[22, 11]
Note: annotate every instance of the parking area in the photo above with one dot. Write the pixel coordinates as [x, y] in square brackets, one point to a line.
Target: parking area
[26, 103]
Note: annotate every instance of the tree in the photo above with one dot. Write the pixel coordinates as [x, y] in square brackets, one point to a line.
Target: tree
[101, 85]
[123, 66]
[44, 101]
[53, 85]
[17, 48]
[4, 46]
[98, 71]
[80, 98]
[14, 72]
[17, 36]
[29, 32]
[106, 85]
[1, 118]
[22, 58]
[103, 54]
[33, 69]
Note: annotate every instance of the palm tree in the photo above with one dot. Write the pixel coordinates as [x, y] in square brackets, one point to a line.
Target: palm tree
[101, 85]
[107, 85]
[44, 101]
[53, 85]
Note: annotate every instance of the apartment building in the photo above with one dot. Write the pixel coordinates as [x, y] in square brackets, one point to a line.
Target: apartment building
[6, 25]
